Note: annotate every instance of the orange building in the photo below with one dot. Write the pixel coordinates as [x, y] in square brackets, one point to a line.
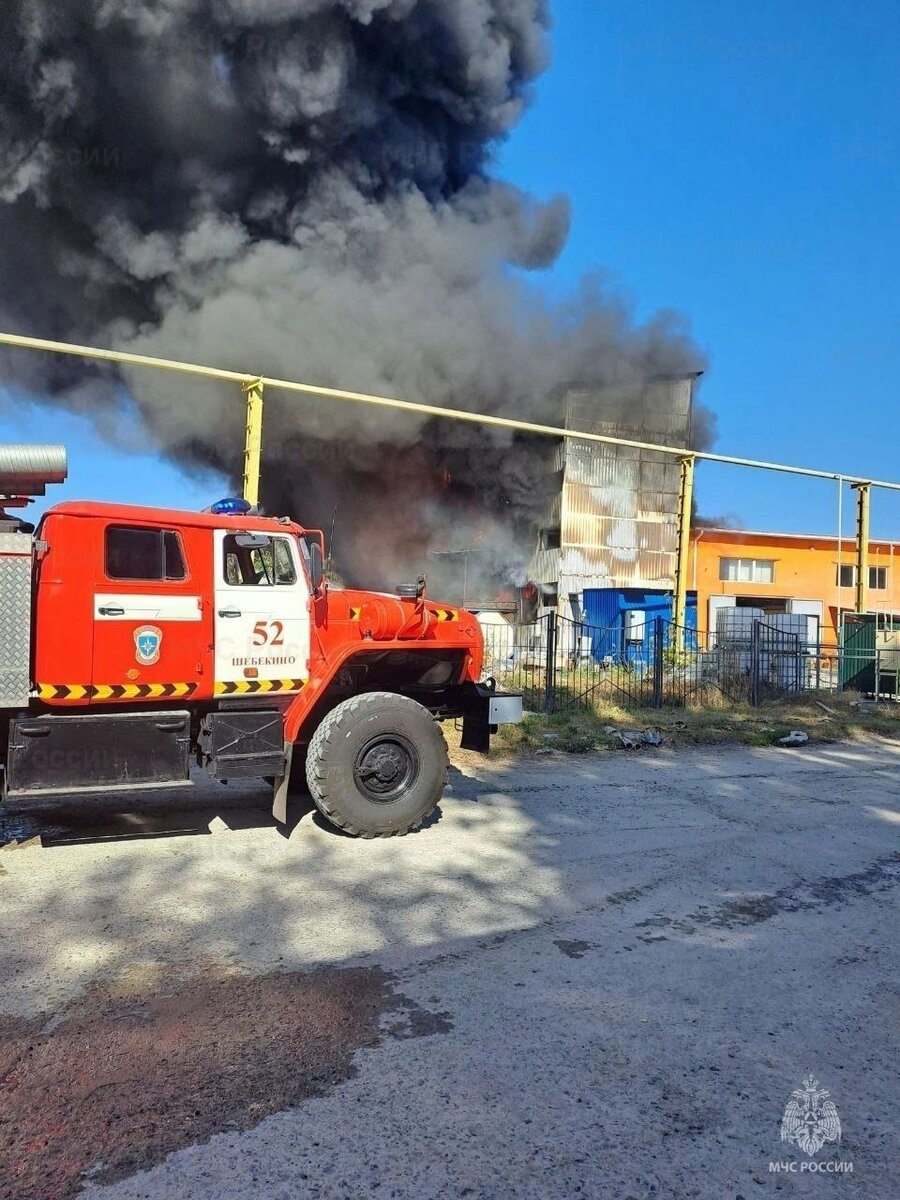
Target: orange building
[788, 573]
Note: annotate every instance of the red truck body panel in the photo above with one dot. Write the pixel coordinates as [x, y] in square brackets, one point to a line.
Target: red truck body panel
[73, 649]
[82, 658]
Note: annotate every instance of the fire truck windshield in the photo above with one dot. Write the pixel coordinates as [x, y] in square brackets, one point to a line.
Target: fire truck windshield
[267, 566]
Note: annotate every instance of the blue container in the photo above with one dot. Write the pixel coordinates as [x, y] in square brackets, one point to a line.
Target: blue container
[604, 614]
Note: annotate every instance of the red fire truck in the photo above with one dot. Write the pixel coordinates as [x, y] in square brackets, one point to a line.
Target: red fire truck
[134, 641]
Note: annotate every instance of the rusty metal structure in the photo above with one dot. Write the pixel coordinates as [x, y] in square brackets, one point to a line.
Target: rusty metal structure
[614, 520]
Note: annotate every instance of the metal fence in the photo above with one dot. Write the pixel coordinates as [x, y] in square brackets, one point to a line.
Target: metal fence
[559, 664]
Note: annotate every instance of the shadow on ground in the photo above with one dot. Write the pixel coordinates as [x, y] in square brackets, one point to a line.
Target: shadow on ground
[176, 971]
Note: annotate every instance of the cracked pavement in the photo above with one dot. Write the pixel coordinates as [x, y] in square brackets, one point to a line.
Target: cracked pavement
[598, 976]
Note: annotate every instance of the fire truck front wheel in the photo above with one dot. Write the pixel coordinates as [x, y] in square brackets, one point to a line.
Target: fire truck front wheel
[377, 765]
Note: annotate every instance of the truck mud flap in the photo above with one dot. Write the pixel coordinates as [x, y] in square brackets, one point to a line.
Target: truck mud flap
[111, 752]
[485, 711]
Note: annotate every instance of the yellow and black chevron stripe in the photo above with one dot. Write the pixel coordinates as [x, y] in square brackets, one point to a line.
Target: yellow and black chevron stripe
[355, 614]
[446, 614]
[115, 691]
[252, 687]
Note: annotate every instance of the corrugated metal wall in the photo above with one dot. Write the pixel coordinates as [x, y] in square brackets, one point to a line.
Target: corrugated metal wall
[617, 517]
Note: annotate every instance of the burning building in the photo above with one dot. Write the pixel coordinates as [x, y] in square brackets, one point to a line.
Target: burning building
[607, 545]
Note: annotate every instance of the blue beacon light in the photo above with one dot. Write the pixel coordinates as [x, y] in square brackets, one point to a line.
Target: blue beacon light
[234, 506]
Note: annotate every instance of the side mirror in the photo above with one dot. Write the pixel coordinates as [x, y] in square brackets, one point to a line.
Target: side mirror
[316, 566]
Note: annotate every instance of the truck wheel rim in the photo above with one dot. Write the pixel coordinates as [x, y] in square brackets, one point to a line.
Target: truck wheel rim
[386, 767]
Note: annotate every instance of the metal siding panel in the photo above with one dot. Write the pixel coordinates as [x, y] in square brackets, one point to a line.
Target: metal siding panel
[15, 625]
[619, 504]
[544, 566]
[603, 614]
[571, 583]
[599, 501]
[659, 410]
[619, 536]
[601, 465]
[656, 502]
[601, 606]
[659, 476]
[649, 571]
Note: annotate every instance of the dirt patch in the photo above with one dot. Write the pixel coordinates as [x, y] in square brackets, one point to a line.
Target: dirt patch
[630, 894]
[800, 896]
[414, 1021]
[572, 949]
[132, 1072]
[817, 894]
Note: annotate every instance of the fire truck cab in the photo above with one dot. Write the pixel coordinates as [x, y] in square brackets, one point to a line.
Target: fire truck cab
[137, 641]
[164, 603]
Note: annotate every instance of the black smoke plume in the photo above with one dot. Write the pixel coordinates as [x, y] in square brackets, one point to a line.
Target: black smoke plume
[303, 188]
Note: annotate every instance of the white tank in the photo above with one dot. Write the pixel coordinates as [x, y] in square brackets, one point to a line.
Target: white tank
[635, 624]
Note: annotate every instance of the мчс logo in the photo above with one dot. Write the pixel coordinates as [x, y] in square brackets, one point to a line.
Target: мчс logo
[810, 1122]
[147, 643]
[810, 1119]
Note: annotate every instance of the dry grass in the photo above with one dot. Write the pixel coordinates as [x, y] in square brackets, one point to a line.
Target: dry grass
[579, 731]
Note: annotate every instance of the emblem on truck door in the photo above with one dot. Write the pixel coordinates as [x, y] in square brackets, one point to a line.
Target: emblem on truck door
[147, 642]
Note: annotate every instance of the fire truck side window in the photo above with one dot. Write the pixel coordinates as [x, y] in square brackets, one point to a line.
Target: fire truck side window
[254, 567]
[154, 555]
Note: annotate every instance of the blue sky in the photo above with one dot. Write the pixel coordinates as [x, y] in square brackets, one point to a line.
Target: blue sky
[741, 163]
[737, 162]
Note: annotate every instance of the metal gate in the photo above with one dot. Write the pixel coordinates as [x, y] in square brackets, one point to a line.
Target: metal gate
[666, 668]
[559, 664]
[768, 664]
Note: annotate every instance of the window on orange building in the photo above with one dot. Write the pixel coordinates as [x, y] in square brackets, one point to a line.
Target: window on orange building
[878, 577]
[747, 570]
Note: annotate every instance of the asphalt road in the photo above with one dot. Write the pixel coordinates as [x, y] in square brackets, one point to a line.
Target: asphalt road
[599, 976]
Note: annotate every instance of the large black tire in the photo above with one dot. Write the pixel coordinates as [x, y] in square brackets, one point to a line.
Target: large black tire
[377, 765]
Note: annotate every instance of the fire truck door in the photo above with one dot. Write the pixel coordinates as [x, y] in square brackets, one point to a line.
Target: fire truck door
[149, 623]
[262, 625]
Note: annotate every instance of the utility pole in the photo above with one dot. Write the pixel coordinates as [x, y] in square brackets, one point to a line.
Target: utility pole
[255, 393]
[682, 557]
[863, 530]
